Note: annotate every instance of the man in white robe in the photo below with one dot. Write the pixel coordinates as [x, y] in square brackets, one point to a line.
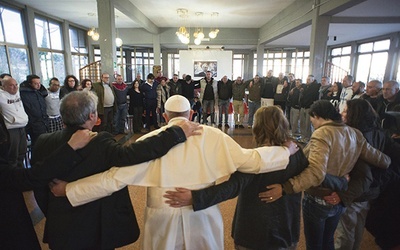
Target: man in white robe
[195, 164]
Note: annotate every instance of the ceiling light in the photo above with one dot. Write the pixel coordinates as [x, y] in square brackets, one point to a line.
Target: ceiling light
[213, 33]
[96, 36]
[90, 32]
[197, 41]
[118, 42]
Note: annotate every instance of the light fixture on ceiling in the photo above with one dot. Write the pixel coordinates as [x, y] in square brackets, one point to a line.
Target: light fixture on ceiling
[91, 32]
[94, 34]
[118, 41]
[183, 31]
[214, 31]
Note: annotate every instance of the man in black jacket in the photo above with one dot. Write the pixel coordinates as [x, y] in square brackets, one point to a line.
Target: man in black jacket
[32, 94]
[309, 94]
[110, 222]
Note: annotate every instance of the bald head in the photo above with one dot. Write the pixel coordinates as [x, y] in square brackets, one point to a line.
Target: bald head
[10, 85]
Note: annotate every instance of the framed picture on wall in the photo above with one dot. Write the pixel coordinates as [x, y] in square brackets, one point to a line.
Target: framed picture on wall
[201, 68]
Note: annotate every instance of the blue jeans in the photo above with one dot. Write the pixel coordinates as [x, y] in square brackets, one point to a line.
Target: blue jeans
[253, 106]
[223, 106]
[120, 118]
[320, 222]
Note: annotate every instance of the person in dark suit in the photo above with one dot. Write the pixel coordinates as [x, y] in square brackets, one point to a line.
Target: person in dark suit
[110, 222]
[16, 228]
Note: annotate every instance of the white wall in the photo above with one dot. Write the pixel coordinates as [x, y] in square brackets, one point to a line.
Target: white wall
[223, 58]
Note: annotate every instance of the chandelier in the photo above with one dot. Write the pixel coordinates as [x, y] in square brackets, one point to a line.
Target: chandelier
[94, 34]
[214, 31]
[183, 32]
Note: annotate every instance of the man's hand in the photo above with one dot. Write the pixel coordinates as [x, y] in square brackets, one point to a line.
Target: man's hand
[293, 148]
[190, 128]
[179, 198]
[332, 199]
[273, 193]
[58, 187]
[81, 138]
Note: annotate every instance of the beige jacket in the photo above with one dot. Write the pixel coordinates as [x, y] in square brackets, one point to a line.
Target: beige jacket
[334, 148]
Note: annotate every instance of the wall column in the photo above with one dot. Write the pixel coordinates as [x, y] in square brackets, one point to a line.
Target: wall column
[31, 38]
[318, 44]
[67, 50]
[106, 20]
[260, 59]
[157, 52]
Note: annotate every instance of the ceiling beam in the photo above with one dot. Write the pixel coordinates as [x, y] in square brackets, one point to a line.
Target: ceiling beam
[371, 20]
[298, 15]
[131, 11]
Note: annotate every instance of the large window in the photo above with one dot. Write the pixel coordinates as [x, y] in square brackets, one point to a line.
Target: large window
[238, 65]
[79, 49]
[340, 63]
[300, 64]
[13, 47]
[173, 64]
[275, 61]
[282, 61]
[142, 62]
[50, 46]
[341, 57]
[371, 60]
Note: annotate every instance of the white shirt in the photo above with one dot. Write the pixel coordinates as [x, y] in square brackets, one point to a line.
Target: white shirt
[12, 109]
[195, 164]
[345, 95]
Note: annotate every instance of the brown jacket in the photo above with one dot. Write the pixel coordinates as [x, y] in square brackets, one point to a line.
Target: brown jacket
[334, 148]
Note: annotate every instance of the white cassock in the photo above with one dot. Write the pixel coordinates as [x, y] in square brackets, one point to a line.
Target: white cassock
[194, 164]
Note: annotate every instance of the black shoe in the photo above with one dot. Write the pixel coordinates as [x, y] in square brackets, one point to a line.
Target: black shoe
[226, 125]
[220, 125]
[241, 126]
[236, 126]
[156, 127]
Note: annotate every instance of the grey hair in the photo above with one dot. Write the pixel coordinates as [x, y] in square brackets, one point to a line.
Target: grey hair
[393, 83]
[378, 84]
[76, 107]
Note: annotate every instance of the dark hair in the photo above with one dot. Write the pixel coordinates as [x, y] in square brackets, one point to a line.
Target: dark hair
[150, 76]
[188, 77]
[29, 78]
[53, 79]
[361, 115]
[325, 110]
[84, 81]
[66, 81]
[4, 75]
[339, 86]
